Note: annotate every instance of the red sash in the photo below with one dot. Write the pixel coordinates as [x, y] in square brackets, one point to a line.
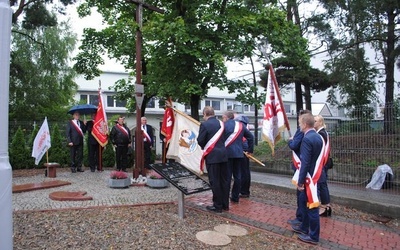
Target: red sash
[123, 130]
[211, 144]
[236, 132]
[146, 136]
[78, 129]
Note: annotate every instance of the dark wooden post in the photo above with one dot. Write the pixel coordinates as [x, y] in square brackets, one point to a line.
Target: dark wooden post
[139, 90]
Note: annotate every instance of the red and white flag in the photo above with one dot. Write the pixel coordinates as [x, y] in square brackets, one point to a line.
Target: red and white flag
[168, 124]
[42, 142]
[275, 120]
[100, 125]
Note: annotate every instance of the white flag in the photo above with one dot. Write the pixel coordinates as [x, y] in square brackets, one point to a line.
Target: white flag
[42, 142]
[183, 145]
[275, 120]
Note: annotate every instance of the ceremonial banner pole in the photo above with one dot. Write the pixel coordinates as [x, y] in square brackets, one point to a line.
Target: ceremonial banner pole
[6, 220]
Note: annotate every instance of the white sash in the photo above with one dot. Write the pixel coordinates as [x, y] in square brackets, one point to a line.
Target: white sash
[78, 128]
[211, 143]
[146, 135]
[236, 132]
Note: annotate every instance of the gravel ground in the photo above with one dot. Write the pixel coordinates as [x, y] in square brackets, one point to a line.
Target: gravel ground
[148, 227]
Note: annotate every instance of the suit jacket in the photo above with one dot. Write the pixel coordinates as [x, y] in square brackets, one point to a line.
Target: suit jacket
[118, 137]
[235, 149]
[207, 130]
[89, 128]
[295, 143]
[72, 133]
[149, 130]
[310, 149]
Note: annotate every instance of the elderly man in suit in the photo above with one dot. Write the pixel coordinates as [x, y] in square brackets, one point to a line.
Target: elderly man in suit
[311, 151]
[211, 139]
[120, 136]
[75, 133]
[147, 141]
[93, 147]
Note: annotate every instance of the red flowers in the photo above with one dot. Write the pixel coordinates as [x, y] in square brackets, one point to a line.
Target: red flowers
[118, 175]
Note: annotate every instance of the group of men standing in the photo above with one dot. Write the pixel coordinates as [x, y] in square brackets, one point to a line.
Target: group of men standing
[120, 137]
[223, 152]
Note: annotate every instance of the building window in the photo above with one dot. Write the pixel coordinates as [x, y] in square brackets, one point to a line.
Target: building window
[83, 99]
[110, 101]
[229, 105]
[120, 104]
[287, 108]
[94, 99]
[253, 108]
[215, 104]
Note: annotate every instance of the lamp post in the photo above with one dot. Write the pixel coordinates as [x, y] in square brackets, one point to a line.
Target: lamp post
[6, 223]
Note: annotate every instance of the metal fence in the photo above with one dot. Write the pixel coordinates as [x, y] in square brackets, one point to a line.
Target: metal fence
[358, 148]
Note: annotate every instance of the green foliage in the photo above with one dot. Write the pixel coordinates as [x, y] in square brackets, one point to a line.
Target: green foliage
[109, 155]
[41, 80]
[19, 154]
[184, 49]
[59, 152]
[263, 150]
[32, 137]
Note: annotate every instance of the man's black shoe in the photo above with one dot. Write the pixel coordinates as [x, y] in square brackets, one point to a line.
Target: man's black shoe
[225, 208]
[80, 170]
[244, 195]
[73, 170]
[214, 209]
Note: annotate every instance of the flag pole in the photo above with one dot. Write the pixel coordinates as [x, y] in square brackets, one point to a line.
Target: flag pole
[275, 82]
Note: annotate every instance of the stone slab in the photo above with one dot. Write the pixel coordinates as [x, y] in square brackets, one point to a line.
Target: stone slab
[213, 238]
[69, 196]
[231, 230]
[39, 185]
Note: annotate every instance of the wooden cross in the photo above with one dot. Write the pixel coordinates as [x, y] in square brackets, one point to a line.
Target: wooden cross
[139, 161]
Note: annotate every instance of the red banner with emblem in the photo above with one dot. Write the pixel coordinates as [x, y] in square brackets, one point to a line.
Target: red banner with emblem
[100, 126]
[168, 123]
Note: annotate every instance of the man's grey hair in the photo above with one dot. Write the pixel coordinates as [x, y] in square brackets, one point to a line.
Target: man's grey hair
[230, 114]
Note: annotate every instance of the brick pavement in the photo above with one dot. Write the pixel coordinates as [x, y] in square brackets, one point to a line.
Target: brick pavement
[336, 232]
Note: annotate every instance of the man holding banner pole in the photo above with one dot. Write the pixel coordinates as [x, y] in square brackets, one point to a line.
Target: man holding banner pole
[211, 139]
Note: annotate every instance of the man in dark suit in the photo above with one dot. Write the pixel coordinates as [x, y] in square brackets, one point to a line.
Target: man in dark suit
[211, 139]
[311, 161]
[75, 132]
[120, 136]
[234, 133]
[148, 138]
[93, 147]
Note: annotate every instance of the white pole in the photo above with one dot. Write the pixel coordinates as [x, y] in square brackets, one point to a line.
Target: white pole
[6, 220]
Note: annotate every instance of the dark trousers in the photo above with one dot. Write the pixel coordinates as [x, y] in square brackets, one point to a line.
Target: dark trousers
[310, 219]
[76, 155]
[121, 155]
[246, 177]
[234, 168]
[323, 191]
[147, 154]
[299, 216]
[217, 175]
[93, 154]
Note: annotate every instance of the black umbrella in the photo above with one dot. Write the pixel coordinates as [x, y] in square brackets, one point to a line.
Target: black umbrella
[83, 109]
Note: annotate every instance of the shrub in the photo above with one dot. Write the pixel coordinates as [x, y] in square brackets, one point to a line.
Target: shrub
[19, 154]
[108, 155]
[59, 152]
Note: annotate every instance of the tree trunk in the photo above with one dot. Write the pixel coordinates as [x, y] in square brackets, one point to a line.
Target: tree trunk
[194, 106]
[389, 70]
[307, 96]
